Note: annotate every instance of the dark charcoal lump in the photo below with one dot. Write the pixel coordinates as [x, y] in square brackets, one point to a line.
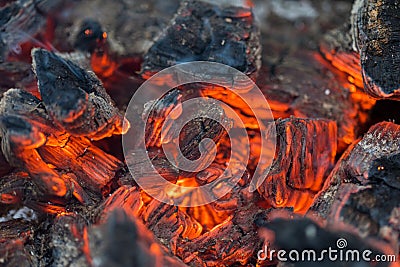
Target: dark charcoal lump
[378, 40]
[203, 31]
[75, 98]
[376, 205]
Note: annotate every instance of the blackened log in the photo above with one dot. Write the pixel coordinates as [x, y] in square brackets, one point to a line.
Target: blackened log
[362, 191]
[75, 98]
[375, 34]
[15, 75]
[305, 153]
[207, 32]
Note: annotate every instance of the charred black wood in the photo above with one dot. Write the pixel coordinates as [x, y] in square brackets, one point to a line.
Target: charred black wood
[375, 34]
[203, 31]
[122, 241]
[31, 141]
[75, 98]
[363, 189]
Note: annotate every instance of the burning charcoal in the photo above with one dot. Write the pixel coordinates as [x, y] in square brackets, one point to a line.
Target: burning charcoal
[4, 166]
[305, 154]
[310, 240]
[159, 161]
[130, 201]
[232, 242]
[363, 189]
[336, 47]
[75, 98]
[375, 35]
[304, 85]
[157, 112]
[69, 241]
[202, 126]
[53, 158]
[208, 32]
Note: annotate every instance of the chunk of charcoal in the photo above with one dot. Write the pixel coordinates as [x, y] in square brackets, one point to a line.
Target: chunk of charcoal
[362, 190]
[305, 154]
[207, 32]
[375, 33]
[208, 121]
[57, 162]
[75, 98]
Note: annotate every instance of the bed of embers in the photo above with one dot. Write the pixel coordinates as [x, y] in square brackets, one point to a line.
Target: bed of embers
[329, 70]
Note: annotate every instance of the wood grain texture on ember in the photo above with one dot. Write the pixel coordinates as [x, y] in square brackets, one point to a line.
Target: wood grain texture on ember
[306, 150]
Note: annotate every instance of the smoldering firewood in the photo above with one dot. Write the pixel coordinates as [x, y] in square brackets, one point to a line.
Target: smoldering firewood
[375, 36]
[233, 241]
[128, 199]
[305, 235]
[75, 98]
[14, 251]
[337, 47]
[363, 189]
[30, 140]
[303, 85]
[225, 34]
[210, 121]
[305, 153]
[365, 47]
